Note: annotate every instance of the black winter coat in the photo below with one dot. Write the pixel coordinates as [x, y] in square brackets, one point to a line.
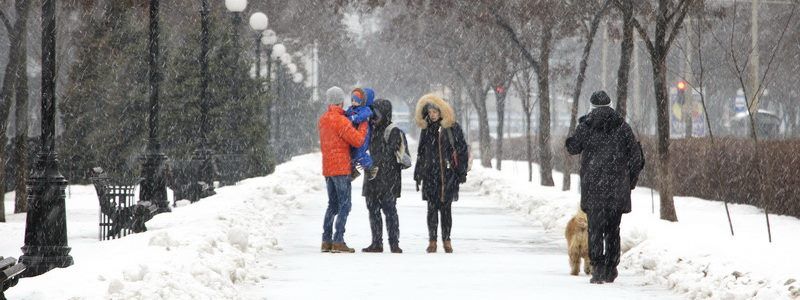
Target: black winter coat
[440, 165]
[610, 159]
[388, 180]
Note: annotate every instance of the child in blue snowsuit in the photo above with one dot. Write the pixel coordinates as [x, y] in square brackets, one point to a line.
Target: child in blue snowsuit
[358, 112]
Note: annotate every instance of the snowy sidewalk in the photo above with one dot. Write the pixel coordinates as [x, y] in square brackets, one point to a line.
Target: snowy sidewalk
[497, 254]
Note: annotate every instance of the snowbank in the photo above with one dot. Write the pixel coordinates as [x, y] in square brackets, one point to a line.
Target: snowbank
[696, 257]
[207, 250]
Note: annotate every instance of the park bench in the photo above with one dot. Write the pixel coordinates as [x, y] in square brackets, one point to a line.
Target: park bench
[9, 274]
[119, 215]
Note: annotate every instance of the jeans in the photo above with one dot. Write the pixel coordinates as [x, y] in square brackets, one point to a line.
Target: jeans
[433, 219]
[389, 206]
[604, 241]
[338, 206]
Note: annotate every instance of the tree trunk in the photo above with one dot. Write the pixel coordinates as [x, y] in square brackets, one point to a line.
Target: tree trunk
[21, 95]
[16, 38]
[566, 184]
[626, 50]
[501, 109]
[529, 144]
[479, 101]
[662, 108]
[543, 82]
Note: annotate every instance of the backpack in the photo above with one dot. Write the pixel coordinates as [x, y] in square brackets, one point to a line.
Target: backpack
[401, 155]
[455, 155]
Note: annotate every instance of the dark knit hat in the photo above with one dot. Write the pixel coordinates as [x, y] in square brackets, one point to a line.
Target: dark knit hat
[600, 98]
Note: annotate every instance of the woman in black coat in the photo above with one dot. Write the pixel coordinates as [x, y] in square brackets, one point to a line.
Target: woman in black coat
[441, 164]
[382, 191]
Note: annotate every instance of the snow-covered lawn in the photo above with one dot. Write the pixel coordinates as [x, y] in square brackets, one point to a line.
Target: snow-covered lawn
[207, 250]
[260, 238]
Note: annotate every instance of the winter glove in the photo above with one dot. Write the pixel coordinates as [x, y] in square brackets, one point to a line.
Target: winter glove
[418, 185]
[462, 178]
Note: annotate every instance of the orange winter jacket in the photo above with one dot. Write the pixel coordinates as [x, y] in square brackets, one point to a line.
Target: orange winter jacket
[336, 136]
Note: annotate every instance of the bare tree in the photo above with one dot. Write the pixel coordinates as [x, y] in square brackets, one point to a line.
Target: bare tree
[739, 68]
[525, 89]
[21, 113]
[669, 16]
[591, 31]
[15, 69]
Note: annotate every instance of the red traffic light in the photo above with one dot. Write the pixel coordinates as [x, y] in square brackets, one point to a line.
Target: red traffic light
[682, 85]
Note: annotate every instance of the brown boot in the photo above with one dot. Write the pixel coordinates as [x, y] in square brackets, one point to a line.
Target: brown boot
[374, 248]
[396, 249]
[431, 247]
[326, 247]
[341, 248]
[448, 248]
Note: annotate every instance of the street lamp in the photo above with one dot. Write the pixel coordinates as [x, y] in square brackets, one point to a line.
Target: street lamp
[46, 244]
[203, 166]
[259, 23]
[269, 38]
[278, 51]
[153, 185]
[236, 7]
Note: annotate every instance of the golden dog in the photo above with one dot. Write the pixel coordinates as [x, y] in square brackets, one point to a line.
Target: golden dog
[577, 234]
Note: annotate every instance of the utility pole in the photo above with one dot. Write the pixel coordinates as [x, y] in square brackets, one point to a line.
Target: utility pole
[638, 106]
[604, 58]
[688, 103]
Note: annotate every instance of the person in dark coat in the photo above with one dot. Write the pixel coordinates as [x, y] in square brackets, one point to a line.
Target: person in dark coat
[382, 192]
[611, 160]
[441, 164]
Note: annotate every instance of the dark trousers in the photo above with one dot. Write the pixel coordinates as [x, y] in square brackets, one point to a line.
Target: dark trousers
[604, 238]
[434, 210]
[389, 206]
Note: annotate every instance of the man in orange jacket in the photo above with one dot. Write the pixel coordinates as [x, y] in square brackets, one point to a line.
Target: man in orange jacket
[336, 136]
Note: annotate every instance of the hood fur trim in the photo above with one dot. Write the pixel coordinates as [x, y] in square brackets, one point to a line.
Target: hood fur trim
[447, 113]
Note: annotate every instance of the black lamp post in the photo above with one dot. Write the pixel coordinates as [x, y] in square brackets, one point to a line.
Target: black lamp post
[203, 166]
[154, 186]
[236, 7]
[269, 39]
[46, 225]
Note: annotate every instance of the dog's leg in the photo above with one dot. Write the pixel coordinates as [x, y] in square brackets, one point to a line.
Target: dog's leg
[587, 265]
[574, 262]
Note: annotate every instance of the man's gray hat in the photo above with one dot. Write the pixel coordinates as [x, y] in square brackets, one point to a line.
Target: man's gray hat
[334, 95]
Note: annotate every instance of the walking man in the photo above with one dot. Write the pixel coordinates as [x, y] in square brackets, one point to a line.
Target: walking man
[336, 136]
[611, 160]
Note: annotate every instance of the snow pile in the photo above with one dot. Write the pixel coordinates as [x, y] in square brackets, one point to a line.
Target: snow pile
[207, 250]
[696, 257]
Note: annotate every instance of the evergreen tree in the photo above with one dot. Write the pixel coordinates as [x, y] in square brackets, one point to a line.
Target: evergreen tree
[105, 109]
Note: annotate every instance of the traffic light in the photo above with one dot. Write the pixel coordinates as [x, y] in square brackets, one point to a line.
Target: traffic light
[682, 92]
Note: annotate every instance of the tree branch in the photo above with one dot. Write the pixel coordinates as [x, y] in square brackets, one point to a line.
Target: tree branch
[6, 22]
[644, 36]
[679, 22]
[514, 38]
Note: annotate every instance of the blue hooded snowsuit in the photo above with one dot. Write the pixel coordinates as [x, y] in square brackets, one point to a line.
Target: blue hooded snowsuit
[357, 115]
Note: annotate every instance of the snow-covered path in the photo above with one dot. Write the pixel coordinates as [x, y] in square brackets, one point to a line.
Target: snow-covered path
[497, 254]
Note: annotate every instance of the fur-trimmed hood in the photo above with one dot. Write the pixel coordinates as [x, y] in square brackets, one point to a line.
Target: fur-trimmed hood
[447, 114]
